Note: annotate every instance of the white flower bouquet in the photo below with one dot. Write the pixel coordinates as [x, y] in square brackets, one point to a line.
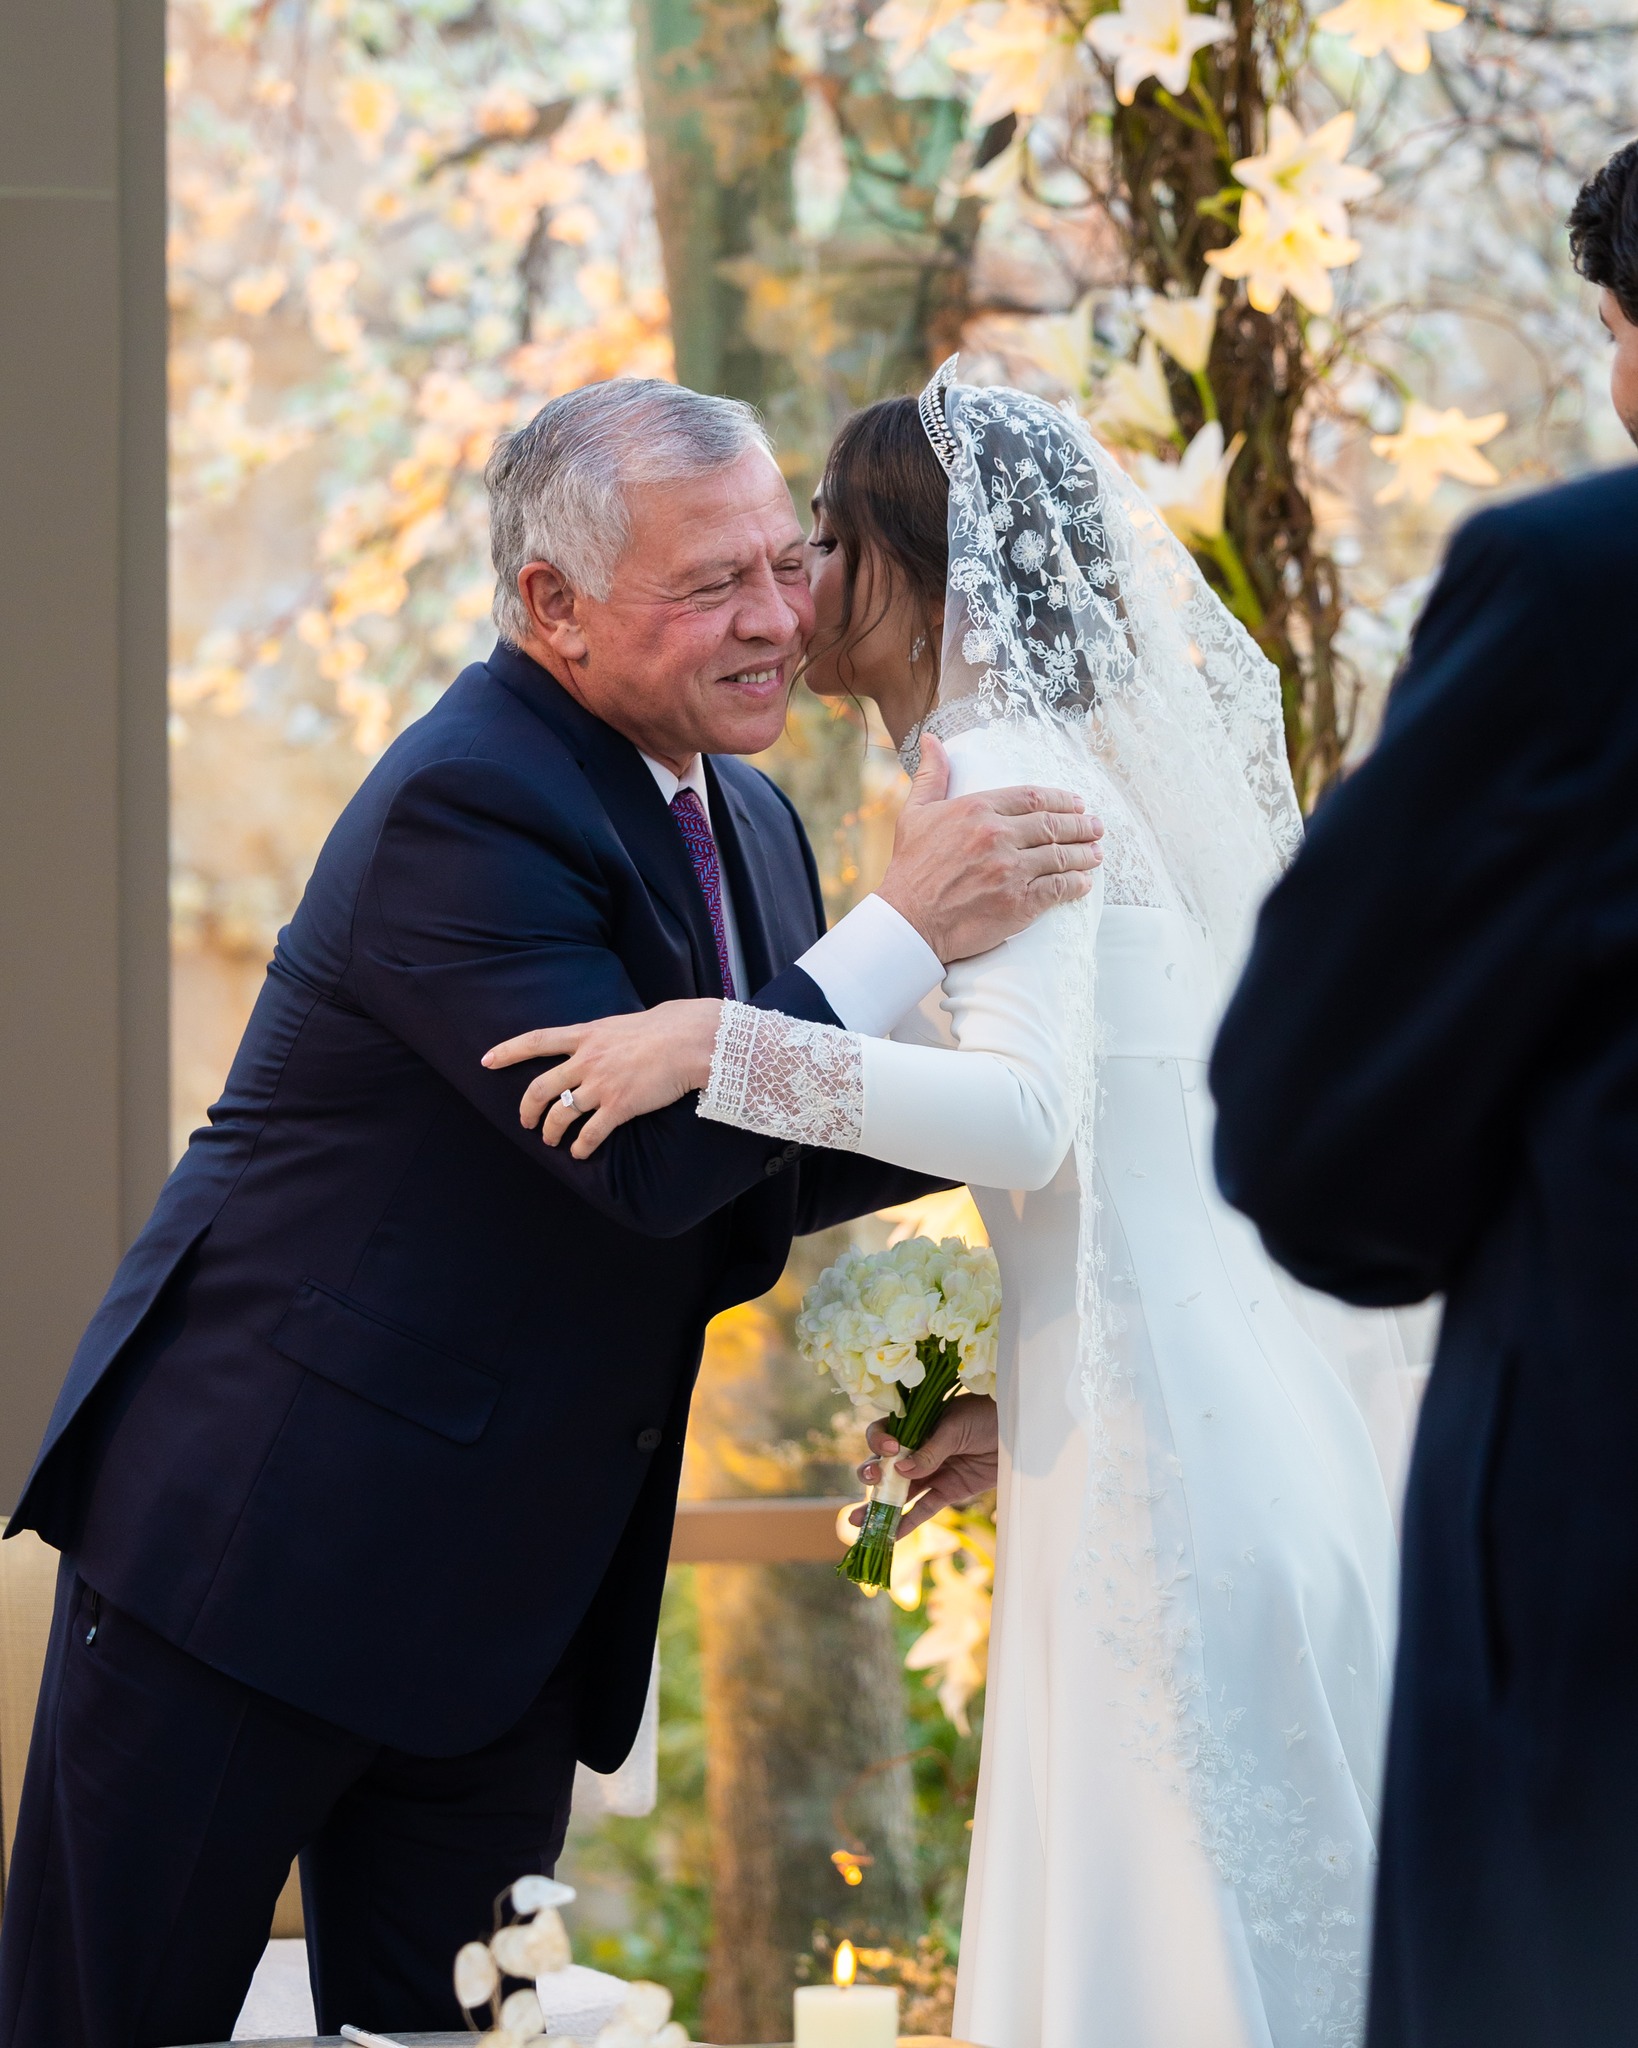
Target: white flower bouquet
[900, 1332]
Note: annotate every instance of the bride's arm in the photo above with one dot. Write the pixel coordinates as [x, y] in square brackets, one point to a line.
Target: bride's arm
[996, 1113]
[999, 1115]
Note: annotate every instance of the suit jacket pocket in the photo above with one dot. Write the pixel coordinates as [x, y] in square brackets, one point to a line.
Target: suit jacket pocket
[358, 1350]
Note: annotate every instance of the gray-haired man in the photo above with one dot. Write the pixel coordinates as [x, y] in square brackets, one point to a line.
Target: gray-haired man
[364, 1471]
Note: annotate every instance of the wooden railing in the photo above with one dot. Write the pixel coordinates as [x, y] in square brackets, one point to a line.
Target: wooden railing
[757, 1531]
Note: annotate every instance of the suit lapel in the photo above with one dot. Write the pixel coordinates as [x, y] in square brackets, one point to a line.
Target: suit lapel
[629, 795]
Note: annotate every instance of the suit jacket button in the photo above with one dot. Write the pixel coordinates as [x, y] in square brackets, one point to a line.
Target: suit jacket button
[774, 1165]
[649, 1439]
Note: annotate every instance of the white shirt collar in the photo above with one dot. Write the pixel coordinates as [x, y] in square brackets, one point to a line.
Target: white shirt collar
[692, 777]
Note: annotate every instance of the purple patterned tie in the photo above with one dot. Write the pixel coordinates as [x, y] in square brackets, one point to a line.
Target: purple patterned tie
[695, 828]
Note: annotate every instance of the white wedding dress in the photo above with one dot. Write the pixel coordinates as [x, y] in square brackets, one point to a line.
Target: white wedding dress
[1193, 1622]
[1192, 1632]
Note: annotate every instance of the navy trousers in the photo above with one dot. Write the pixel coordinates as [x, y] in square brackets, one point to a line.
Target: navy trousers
[161, 1810]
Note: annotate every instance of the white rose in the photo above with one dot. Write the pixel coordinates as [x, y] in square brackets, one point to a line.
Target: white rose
[978, 1362]
[910, 1318]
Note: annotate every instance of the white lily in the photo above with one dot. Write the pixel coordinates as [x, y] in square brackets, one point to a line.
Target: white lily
[1184, 327]
[910, 25]
[1431, 445]
[1401, 27]
[1189, 494]
[1153, 39]
[1284, 249]
[1134, 404]
[955, 1649]
[1021, 52]
[1059, 345]
[1305, 173]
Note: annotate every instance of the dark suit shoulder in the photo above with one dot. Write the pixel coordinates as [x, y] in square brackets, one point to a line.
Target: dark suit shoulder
[475, 719]
[1520, 650]
[479, 750]
[1573, 531]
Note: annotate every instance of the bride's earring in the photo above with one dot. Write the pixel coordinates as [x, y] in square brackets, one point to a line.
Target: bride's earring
[918, 647]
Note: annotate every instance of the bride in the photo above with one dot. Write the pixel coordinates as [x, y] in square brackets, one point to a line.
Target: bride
[1190, 1655]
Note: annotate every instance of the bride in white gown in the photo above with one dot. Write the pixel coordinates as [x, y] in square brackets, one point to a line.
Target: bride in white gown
[1192, 1633]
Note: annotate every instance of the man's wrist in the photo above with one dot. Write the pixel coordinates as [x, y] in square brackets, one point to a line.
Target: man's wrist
[703, 1049]
[913, 914]
[873, 967]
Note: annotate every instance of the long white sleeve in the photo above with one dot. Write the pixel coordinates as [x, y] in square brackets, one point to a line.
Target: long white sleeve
[996, 1112]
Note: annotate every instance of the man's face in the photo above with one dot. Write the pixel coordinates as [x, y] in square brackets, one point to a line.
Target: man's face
[1624, 367]
[694, 649]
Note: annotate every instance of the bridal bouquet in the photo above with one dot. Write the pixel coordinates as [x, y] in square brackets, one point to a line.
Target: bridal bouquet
[899, 1332]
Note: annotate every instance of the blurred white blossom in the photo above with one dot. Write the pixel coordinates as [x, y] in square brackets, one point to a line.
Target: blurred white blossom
[1184, 326]
[1189, 493]
[1153, 39]
[1431, 445]
[1134, 405]
[1401, 27]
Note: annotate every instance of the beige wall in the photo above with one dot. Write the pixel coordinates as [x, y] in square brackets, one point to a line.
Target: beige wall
[83, 1001]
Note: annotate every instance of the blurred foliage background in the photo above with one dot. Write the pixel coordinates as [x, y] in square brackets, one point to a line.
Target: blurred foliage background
[1303, 270]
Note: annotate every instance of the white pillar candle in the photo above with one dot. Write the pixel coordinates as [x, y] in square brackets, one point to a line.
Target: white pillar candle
[847, 2016]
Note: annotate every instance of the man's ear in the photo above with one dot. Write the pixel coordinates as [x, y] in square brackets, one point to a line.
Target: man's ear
[553, 608]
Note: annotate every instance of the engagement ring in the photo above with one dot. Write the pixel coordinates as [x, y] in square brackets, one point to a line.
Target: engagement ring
[567, 1098]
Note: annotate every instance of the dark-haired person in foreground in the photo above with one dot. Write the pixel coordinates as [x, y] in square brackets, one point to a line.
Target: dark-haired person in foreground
[1428, 1081]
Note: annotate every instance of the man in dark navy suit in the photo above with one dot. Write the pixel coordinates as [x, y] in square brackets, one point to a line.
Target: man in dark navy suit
[1428, 1081]
[364, 1472]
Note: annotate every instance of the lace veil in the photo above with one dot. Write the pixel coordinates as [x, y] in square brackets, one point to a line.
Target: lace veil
[1074, 613]
[1075, 620]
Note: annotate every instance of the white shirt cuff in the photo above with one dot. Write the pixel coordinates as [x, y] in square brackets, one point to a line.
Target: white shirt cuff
[873, 968]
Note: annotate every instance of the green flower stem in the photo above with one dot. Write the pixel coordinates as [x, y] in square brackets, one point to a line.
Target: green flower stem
[1243, 598]
[1213, 120]
[1179, 112]
[869, 1563]
[1223, 206]
[1208, 397]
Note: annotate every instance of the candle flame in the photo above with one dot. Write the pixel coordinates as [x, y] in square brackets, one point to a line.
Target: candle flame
[846, 1965]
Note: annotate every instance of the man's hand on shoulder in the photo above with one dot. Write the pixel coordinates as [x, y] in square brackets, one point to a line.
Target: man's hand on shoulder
[970, 871]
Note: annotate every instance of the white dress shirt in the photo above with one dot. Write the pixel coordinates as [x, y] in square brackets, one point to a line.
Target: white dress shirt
[872, 968]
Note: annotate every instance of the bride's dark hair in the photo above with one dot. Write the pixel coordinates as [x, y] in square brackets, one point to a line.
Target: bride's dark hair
[884, 493]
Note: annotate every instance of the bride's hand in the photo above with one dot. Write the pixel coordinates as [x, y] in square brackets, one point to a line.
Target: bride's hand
[616, 1068]
[955, 1465]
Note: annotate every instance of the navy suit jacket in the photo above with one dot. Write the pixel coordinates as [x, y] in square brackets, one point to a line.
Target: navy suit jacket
[386, 1403]
[1428, 1080]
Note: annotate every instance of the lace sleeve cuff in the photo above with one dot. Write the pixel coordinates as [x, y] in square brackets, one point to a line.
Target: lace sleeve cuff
[786, 1078]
